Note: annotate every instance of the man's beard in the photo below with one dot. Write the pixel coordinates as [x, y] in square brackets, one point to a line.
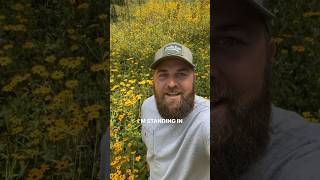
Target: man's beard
[241, 139]
[184, 107]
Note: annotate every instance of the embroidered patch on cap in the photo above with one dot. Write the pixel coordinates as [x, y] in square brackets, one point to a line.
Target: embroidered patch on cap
[173, 49]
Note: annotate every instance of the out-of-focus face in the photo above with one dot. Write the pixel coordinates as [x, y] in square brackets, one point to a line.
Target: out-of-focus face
[240, 55]
[174, 88]
[241, 62]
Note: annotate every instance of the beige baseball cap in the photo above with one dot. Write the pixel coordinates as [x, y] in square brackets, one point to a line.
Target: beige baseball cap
[172, 50]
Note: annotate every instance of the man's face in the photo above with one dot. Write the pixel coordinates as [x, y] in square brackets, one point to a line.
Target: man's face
[173, 88]
[241, 57]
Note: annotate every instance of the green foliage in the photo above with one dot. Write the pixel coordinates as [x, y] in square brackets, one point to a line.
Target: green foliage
[296, 75]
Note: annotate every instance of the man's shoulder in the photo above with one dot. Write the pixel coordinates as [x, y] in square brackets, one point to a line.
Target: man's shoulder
[201, 112]
[296, 147]
[290, 124]
[149, 100]
[148, 103]
[294, 137]
[294, 150]
[202, 104]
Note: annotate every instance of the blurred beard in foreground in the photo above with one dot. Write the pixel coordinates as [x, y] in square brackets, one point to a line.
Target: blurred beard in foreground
[241, 139]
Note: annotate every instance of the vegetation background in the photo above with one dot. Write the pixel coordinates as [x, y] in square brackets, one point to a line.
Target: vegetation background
[296, 72]
[137, 30]
[53, 88]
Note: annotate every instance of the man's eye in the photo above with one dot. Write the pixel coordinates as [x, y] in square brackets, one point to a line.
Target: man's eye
[181, 74]
[163, 75]
[226, 41]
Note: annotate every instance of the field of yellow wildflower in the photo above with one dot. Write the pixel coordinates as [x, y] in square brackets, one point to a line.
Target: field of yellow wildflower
[136, 33]
[52, 88]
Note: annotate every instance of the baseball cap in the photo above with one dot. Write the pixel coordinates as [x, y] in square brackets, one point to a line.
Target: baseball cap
[261, 6]
[172, 49]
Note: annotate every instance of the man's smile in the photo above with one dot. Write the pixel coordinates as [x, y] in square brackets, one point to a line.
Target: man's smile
[173, 96]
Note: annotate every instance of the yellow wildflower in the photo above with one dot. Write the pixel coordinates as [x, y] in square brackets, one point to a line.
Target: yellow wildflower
[114, 87]
[143, 82]
[17, 130]
[44, 167]
[40, 70]
[9, 87]
[62, 165]
[4, 61]
[55, 134]
[138, 158]
[129, 125]
[28, 45]
[35, 174]
[57, 75]
[298, 48]
[120, 117]
[50, 59]
[72, 84]
[74, 47]
[71, 62]
[41, 90]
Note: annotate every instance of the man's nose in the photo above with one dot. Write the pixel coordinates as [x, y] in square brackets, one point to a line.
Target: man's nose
[172, 82]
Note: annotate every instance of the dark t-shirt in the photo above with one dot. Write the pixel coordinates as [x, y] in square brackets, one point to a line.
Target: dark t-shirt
[294, 150]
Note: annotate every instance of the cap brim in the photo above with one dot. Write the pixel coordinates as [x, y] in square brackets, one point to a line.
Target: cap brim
[156, 63]
[264, 12]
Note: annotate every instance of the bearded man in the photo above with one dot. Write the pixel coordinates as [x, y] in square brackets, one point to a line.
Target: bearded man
[251, 138]
[176, 122]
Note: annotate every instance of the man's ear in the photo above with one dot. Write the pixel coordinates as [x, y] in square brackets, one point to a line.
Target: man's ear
[272, 48]
[194, 76]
